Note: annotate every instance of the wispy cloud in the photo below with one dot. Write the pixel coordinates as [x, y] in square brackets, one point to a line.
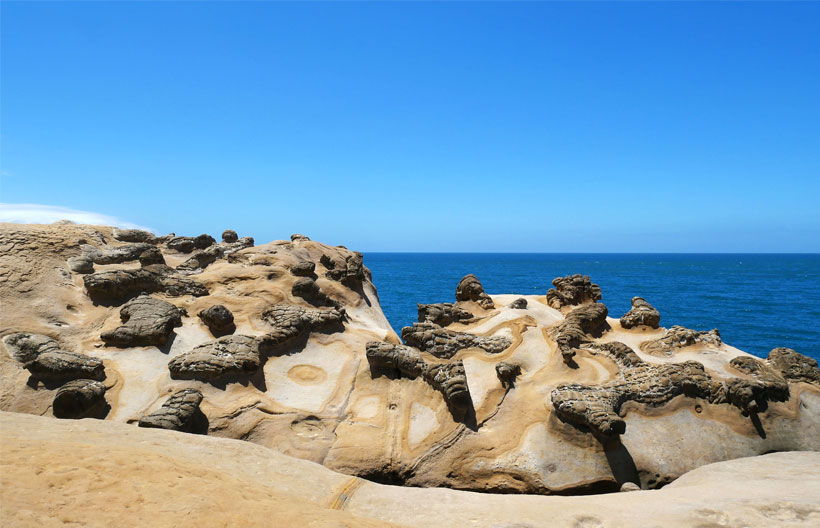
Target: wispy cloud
[46, 214]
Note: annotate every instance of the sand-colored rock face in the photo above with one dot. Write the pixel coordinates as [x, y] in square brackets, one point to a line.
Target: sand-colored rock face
[103, 473]
[548, 395]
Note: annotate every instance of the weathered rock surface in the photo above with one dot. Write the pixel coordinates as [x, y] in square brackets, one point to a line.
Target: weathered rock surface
[218, 319]
[81, 398]
[577, 326]
[25, 347]
[507, 373]
[444, 343]
[290, 322]
[59, 365]
[296, 237]
[151, 256]
[185, 244]
[304, 268]
[641, 314]
[794, 366]
[349, 272]
[572, 290]
[202, 258]
[137, 235]
[146, 321]
[230, 355]
[120, 285]
[307, 289]
[679, 337]
[470, 289]
[180, 412]
[229, 236]
[519, 304]
[442, 314]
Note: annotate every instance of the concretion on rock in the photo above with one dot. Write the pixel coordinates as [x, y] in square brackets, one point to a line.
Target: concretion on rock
[201, 259]
[187, 244]
[470, 289]
[59, 365]
[678, 337]
[598, 406]
[641, 314]
[794, 366]
[146, 322]
[304, 268]
[403, 361]
[443, 343]
[296, 237]
[350, 272]
[218, 319]
[119, 285]
[519, 304]
[572, 290]
[507, 373]
[84, 263]
[151, 256]
[575, 329]
[229, 236]
[230, 355]
[136, 235]
[81, 398]
[290, 322]
[307, 289]
[180, 412]
[442, 314]
[25, 347]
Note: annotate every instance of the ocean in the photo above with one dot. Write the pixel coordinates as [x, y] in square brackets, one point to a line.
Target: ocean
[756, 301]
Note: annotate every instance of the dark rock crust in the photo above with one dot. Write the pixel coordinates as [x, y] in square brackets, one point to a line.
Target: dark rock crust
[576, 327]
[470, 289]
[641, 314]
[146, 322]
[444, 343]
[81, 398]
[573, 290]
[442, 314]
[218, 319]
[180, 412]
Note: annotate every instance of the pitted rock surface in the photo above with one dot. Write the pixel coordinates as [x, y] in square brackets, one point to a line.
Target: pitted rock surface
[84, 263]
[203, 258]
[444, 343]
[218, 319]
[138, 235]
[180, 412]
[598, 406]
[25, 347]
[641, 314]
[350, 272]
[185, 244]
[81, 398]
[678, 337]
[574, 330]
[307, 289]
[442, 314]
[290, 322]
[230, 355]
[403, 361]
[507, 373]
[470, 289]
[794, 366]
[573, 290]
[119, 285]
[146, 322]
[59, 365]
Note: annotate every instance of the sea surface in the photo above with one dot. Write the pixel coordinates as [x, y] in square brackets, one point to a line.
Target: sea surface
[756, 301]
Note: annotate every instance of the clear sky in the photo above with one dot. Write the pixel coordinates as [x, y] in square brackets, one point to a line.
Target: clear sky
[567, 127]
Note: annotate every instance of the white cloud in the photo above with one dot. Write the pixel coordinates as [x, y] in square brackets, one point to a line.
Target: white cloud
[47, 214]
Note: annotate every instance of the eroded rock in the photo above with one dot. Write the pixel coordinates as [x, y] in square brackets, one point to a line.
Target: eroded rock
[794, 366]
[442, 314]
[119, 285]
[230, 355]
[296, 237]
[576, 327]
[641, 314]
[304, 268]
[507, 373]
[679, 337]
[307, 289]
[146, 322]
[519, 304]
[290, 322]
[25, 347]
[180, 412]
[229, 236]
[60, 365]
[350, 272]
[218, 319]
[470, 289]
[573, 290]
[151, 256]
[81, 398]
[185, 244]
[444, 343]
[137, 235]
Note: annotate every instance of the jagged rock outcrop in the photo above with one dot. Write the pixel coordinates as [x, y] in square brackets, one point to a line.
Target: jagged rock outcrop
[307, 289]
[573, 290]
[442, 314]
[444, 343]
[226, 356]
[146, 322]
[598, 407]
[180, 412]
[289, 322]
[229, 236]
[350, 272]
[151, 256]
[641, 314]
[794, 366]
[304, 268]
[519, 304]
[80, 398]
[218, 319]
[406, 362]
[470, 289]
[120, 285]
[507, 373]
[678, 337]
[576, 327]
[185, 244]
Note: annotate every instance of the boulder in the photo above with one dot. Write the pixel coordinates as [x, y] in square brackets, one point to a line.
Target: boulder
[304, 268]
[519, 304]
[794, 366]
[507, 373]
[184, 244]
[80, 398]
[121, 285]
[180, 412]
[470, 289]
[146, 322]
[678, 337]
[230, 355]
[59, 365]
[641, 314]
[229, 236]
[573, 290]
[443, 343]
[151, 256]
[218, 319]
[442, 314]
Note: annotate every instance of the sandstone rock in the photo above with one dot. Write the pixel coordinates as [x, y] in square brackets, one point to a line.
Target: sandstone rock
[81, 398]
[81, 264]
[59, 365]
[180, 412]
[201, 259]
[442, 314]
[507, 373]
[304, 268]
[146, 322]
[403, 361]
[151, 256]
[573, 290]
[678, 337]
[291, 322]
[25, 347]
[119, 285]
[576, 328]
[519, 304]
[230, 355]
[229, 236]
[218, 319]
[187, 244]
[350, 272]
[116, 254]
[307, 289]
[470, 289]
[444, 343]
[641, 314]
[135, 235]
[794, 366]
[296, 237]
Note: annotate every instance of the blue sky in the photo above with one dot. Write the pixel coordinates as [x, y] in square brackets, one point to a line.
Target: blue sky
[566, 127]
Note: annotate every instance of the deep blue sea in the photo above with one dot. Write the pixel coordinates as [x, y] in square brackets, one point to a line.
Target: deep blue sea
[757, 301]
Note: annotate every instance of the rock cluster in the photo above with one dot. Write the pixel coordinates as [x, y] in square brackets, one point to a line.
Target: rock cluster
[218, 319]
[442, 314]
[572, 290]
[404, 362]
[576, 327]
[678, 337]
[146, 322]
[202, 258]
[470, 289]
[641, 314]
[443, 343]
[80, 398]
[180, 412]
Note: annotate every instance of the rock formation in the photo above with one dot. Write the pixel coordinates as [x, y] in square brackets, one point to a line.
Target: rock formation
[507, 373]
[229, 236]
[80, 398]
[230, 355]
[519, 304]
[120, 285]
[184, 244]
[180, 412]
[304, 268]
[444, 343]
[572, 290]
[350, 272]
[641, 314]
[577, 326]
[442, 314]
[678, 337]
[307, 289]
[218, 319]
[146, 321]
[470, 289]
[44, 359]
